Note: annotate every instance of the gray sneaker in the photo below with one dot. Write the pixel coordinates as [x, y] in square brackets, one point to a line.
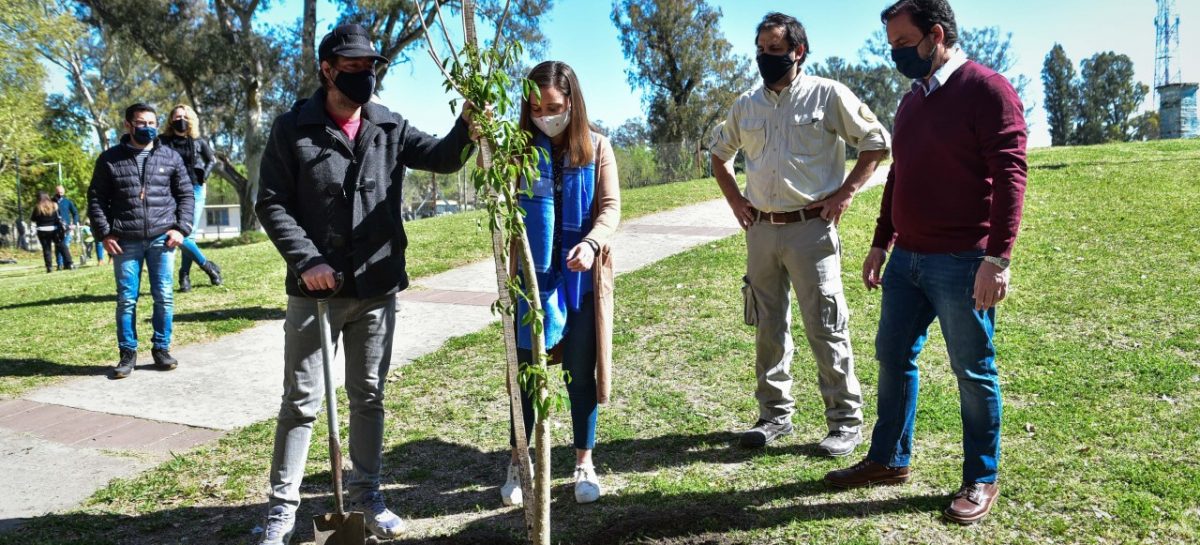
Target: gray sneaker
[764, 432]
[839, 443]
[281, 523]
[381, 521]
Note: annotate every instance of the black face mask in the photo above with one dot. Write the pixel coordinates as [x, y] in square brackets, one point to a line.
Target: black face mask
[357, 86]
[909, 62]
[774, 67]
[180, 126]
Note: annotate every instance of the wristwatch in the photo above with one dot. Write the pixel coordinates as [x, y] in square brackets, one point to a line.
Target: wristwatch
[997, 261]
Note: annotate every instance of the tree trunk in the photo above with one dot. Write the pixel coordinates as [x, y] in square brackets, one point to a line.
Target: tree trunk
[499, 250]
[97, 120]
[537, 513]
[255, 149]
[540, 534]
[308, 59]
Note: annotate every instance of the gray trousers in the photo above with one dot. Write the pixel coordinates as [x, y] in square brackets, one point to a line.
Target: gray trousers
[366, 326]
[804, 256]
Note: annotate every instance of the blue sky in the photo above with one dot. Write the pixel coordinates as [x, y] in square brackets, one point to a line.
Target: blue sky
[582, 35]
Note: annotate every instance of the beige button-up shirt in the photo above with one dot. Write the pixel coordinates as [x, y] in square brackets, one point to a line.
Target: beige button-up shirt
[795, 140]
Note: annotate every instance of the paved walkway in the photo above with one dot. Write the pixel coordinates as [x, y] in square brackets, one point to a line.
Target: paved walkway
[60, 444]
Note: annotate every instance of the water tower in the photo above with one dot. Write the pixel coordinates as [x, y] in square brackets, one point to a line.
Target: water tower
[1177, 108]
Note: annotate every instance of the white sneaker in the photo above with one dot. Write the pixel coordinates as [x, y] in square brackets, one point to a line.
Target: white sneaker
[587, 484]
[511, 493]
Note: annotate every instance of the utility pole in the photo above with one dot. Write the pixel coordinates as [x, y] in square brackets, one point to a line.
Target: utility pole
[59, 170]
[22, 243]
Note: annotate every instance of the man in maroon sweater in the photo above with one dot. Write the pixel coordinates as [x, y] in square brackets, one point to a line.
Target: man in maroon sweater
[951, 210]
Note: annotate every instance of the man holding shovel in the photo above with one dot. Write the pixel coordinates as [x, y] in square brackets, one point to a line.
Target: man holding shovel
[330, 200]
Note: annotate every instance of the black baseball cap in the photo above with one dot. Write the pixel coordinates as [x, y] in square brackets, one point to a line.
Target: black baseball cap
[348, 40]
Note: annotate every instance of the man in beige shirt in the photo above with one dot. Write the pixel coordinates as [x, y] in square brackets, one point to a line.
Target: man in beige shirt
[794, 131]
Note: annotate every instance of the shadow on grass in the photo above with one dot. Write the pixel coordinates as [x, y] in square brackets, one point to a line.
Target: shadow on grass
[70, 300]
[444, 479]
[10, 367]
[230, 525]
[450, 483]
[243, 313]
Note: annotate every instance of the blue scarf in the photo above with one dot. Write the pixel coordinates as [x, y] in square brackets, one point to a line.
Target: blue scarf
[560, 289]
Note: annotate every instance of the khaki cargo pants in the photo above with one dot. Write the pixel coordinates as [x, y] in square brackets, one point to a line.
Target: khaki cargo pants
[806, 257]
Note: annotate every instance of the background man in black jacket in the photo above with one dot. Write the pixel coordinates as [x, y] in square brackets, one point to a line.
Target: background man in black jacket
[140, 203]
[330, 199]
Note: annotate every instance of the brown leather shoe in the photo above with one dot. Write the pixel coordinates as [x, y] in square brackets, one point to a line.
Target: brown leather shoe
[867, 473]
[972, 502]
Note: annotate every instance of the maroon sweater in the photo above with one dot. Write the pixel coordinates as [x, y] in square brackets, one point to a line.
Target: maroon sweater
[957, 180]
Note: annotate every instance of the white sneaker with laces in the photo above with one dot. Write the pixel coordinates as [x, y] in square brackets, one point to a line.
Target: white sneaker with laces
[510, 492]
[587, 484]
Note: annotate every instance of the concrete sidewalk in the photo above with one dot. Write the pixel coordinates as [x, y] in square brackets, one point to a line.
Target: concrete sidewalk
[61, 443]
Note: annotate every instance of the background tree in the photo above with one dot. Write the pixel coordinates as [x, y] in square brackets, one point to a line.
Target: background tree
[21, 113]
[1062, 96]
[985, 45]
[687, 71]
[993, 49]
[1145, 126]
[631, 133]
[232, 71]
[1108, 97]
[879, 86]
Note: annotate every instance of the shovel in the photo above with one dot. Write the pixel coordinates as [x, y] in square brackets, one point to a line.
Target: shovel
[340, 527]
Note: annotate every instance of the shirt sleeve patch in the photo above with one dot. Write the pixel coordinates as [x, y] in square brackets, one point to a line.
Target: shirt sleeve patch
[865, 112]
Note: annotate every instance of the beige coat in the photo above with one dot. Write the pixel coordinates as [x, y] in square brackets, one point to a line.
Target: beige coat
[606, 209]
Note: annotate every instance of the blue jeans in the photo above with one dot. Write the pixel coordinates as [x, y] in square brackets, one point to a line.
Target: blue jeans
[916, 289]
[127, 267]
[63, 251]
[579, 361]
[191, 252]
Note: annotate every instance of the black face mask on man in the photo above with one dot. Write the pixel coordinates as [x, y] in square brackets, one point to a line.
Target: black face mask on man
[774, 67]
[357, 86]
[910, 63]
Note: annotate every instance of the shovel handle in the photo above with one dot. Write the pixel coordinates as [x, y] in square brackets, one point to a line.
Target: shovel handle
[335, 447]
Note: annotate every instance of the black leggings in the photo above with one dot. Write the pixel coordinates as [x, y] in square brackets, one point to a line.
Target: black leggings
[51, 244]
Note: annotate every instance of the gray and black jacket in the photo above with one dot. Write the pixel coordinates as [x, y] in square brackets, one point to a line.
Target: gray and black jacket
[197, 156]
[139, 206]
[325, 200]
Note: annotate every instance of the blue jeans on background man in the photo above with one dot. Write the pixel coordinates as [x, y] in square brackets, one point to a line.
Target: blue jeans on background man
[191, 251]
[63, 252]
[127, 267]
[916, 289]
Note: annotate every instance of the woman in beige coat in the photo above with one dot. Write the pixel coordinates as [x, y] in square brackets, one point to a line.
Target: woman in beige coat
[571, 215]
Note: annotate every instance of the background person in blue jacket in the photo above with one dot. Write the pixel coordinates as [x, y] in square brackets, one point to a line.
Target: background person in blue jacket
[70, 218]
[140, 202]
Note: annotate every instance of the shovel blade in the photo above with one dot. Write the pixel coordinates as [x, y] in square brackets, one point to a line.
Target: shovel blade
[335, 529]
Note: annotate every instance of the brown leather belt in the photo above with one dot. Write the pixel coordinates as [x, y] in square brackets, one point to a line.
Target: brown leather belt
[779, 218]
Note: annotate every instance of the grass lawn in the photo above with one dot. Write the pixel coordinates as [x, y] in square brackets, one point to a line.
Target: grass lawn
[61, 324]
[1099, 352]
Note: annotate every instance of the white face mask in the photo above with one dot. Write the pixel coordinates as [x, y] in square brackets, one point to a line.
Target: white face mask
[553, 125]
